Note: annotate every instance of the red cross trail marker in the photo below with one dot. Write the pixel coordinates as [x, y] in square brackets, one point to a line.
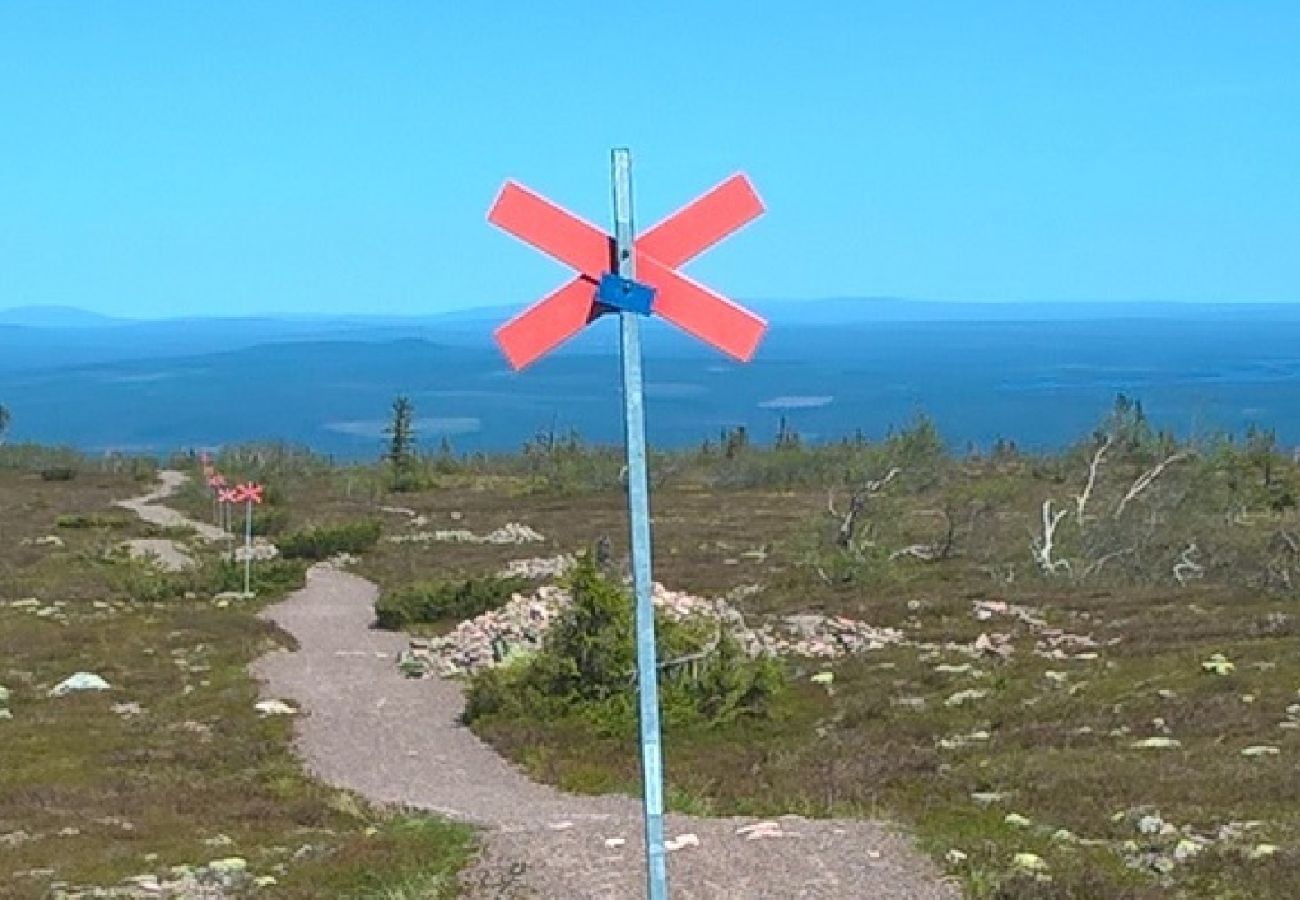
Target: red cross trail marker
[581, 245]
[248, 493]
[608, 267]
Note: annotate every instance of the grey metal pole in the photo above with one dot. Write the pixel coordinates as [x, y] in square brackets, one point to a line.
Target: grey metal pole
[638, 496]
[248, 548]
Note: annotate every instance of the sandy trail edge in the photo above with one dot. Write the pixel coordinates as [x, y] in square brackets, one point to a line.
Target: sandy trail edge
[396, 740]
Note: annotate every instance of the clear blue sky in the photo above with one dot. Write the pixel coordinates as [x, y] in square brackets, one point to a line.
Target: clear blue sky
[232, 157]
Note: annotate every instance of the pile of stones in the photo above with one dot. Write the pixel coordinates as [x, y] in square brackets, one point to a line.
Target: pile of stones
[520, 627]
[538, 567]
[510, 533]
[262, 549]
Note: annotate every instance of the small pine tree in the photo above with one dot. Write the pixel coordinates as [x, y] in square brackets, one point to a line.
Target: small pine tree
[401, 434]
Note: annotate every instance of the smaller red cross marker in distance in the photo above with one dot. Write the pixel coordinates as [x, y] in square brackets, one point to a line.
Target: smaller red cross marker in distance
[659, 251]
[249, 492]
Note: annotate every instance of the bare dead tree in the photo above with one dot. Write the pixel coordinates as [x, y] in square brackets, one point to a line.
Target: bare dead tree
[848, 527]
[1042, 546]
[1081, 500]
[936, 550]
[1147, 478]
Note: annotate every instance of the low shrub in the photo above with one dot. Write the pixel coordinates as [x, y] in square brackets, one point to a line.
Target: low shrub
[269, 577]
[90, 520]
[586, 669]
[444, 601]
[327, 540]
[58, 473]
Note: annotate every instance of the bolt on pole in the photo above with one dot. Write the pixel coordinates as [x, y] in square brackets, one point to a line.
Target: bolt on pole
[638, 496]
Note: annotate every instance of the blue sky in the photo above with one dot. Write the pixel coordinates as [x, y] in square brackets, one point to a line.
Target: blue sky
[233, 158]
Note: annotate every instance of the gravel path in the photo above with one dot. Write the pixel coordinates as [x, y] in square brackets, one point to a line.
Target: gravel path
[147, 508]
[396, 740]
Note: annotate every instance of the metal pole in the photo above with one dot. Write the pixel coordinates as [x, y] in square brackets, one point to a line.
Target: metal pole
[248, 548]
[638, 497]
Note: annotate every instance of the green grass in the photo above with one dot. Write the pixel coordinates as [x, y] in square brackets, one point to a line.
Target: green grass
[196, 774]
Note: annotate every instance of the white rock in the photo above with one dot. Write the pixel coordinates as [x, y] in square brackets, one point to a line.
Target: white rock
[274, 708]
[1261, 750]
[1150, 824]
[81, 681]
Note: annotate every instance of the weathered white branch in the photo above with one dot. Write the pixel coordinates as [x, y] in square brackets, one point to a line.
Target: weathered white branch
[849, 519]
[1146, 479]
[1042, 546]
[1187, 569]
[1081, 500]
[923, 552]
[1096, 566]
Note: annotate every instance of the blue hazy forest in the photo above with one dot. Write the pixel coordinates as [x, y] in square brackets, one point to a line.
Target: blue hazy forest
[1038, 375]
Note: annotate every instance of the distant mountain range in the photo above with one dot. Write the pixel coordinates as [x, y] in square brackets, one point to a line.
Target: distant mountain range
[59, 336]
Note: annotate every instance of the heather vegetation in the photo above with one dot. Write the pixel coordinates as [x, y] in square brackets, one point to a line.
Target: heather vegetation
[443, 601]
[1094, 688]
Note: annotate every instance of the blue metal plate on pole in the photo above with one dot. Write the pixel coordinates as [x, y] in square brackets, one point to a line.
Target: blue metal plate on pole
[624, 294]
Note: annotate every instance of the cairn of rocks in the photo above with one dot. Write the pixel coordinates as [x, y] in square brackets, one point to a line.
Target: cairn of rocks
[520, 627]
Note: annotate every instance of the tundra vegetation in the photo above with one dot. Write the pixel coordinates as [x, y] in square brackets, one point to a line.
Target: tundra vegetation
[1095, 693]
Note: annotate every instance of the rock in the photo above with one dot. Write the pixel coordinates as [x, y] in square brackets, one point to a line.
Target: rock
[81, 681]
[1017, 820]
[1261, 851]
[1218, 664]
[961, 698]
[274, 708]
[825, 678]
[682, 840]
[955, 857]
[1029, 862]
[127, 710]
[759, 830]
[1156, 743]
[1186, 849]
[229, 872]
[1150, 824]
[4, 695]
[962, 740]
[1261, 750]
[987, 798]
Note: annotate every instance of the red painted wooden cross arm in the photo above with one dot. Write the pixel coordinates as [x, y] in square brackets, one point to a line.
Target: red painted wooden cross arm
[577, 243]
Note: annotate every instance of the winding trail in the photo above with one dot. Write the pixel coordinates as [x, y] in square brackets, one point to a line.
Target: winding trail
[369, 729]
